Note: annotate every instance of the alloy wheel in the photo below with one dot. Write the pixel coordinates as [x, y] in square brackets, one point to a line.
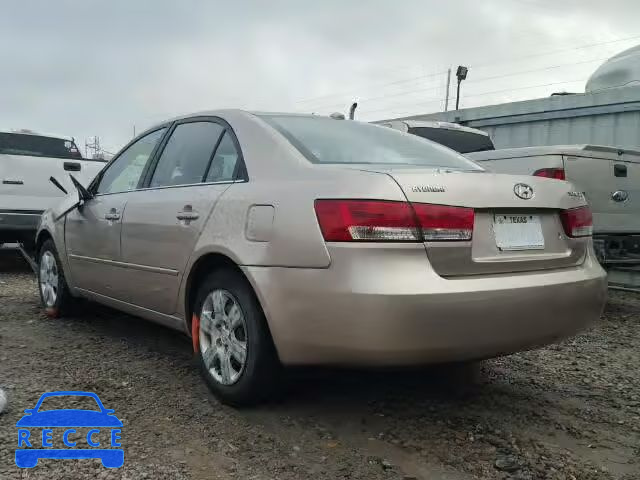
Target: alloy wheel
[49, 279]
[223, 337]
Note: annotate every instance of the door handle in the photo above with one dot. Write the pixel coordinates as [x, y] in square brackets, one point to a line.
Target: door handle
[112, 215]
[72, 166]
[187, 215]
[12, 182]
[620, 170]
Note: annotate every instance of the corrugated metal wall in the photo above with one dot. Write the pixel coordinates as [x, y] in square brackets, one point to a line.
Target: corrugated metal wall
[610, 117]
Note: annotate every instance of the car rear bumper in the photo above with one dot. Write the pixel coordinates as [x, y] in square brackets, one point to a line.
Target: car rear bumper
[377, 305]
[18, 224]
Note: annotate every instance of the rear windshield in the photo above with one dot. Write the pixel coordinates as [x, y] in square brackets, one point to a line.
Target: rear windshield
[325, 140]
[37, 146]
[458, 140]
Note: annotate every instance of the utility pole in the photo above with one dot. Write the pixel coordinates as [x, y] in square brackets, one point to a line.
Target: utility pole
[92, 145]
[446, 98]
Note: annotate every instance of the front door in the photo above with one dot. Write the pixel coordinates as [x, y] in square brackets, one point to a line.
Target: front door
[93, 230]
[93, 243]
[163, 222]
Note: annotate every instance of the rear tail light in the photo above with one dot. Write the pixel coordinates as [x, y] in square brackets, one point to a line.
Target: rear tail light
[366, 220]
[379, 220]
[557, 173]
[577, 222]
[441, 222]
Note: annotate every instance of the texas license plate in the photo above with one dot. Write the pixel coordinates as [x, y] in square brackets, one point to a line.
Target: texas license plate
[518, 232]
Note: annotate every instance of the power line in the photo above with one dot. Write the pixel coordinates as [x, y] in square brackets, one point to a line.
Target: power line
[478, 65]
[351, 92]
[520, 72]
[472, 81]
[553, 52]
[391, 107]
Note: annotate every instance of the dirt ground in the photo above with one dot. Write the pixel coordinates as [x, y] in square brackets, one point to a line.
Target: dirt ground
[570, 411]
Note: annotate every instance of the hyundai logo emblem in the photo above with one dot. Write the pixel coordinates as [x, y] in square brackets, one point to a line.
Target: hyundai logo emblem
[523, 191]
[620, 196]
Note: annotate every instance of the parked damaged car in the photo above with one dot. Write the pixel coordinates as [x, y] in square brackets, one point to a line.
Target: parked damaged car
[281, 239]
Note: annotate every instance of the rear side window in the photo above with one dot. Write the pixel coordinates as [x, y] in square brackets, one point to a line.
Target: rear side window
[186, 156]
[223, 165]
[123, 175]
[37, 146]
[458, 140]
[325, 140]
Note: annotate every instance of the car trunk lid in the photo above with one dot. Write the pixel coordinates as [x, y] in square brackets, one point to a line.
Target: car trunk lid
[510, 234]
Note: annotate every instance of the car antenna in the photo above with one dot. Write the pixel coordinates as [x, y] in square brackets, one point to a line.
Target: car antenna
[352, 110]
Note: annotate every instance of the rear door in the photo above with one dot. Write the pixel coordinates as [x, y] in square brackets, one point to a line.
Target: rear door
[163, 221]
[92, 232]
[610, 180]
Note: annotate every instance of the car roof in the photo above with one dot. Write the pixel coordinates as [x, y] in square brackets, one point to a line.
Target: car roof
[223, 113]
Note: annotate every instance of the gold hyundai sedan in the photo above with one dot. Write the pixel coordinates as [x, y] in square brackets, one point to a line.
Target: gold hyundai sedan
[280, 239]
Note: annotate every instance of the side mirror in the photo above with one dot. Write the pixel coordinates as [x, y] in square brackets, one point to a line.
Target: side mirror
[82, 192]
[83, 196]
[29, 410]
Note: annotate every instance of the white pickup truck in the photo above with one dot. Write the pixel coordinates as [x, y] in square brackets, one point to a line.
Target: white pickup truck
[609, 177]
[27, 160]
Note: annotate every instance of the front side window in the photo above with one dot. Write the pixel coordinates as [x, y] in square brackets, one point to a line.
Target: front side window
[124, 173]
[187, 154]
[325, 140]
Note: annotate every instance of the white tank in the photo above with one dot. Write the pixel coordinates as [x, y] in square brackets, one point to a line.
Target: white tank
[622, 70]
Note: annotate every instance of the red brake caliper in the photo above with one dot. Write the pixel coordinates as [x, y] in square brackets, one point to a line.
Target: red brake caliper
[195, 332]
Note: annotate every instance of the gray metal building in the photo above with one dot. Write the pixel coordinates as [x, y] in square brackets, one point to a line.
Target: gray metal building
[607, 114]
[608, 117]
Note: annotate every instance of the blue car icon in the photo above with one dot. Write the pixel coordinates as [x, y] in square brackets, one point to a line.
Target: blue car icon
[68, 420]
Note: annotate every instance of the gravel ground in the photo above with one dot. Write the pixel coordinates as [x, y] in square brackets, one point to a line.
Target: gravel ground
[570, 411]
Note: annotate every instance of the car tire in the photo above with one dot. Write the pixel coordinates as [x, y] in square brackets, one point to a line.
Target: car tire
[227, 315]
[52, 285]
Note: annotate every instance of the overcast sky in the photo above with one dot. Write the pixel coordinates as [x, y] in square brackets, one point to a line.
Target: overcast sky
[84, 68]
